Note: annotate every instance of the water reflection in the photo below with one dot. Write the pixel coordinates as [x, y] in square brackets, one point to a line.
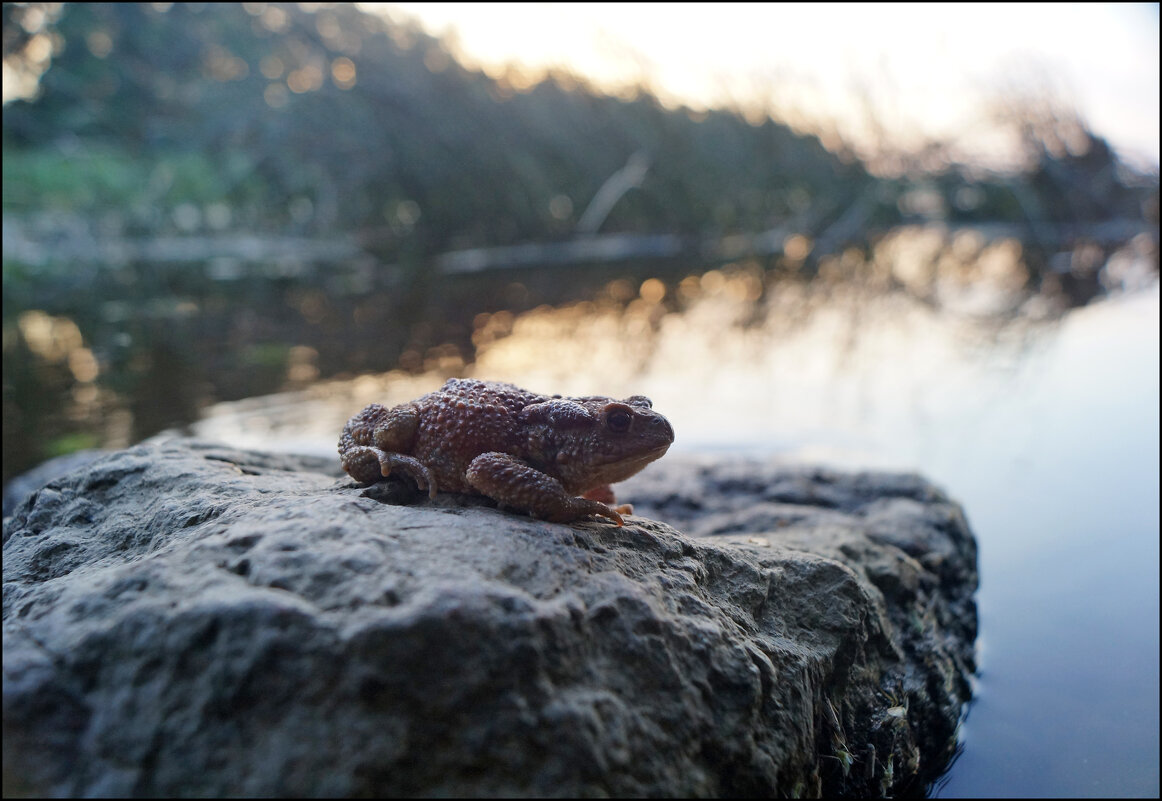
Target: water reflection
[736, 331]
[740, 359]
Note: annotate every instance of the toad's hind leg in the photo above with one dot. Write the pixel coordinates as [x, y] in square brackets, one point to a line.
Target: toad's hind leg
[368, 465]
[375, 443]
[511, 482]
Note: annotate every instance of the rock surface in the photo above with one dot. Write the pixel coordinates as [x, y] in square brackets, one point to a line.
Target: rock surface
[185, 619]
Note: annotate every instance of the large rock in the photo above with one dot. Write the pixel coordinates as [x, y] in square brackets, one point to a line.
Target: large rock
[185, 619]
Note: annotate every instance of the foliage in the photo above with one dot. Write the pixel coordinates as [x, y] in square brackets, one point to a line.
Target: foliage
[417, 148]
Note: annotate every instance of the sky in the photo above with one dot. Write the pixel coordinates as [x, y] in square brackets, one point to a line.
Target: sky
[867, 73]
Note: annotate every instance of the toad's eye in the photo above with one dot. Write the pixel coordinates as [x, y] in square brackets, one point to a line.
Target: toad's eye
[618, 418]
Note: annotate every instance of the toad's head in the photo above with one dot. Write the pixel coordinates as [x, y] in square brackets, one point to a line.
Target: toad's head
[591, 441]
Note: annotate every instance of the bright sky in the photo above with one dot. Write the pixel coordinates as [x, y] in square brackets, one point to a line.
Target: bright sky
[921, 69]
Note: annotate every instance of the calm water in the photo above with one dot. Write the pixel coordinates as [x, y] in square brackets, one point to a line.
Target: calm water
[1047, 432]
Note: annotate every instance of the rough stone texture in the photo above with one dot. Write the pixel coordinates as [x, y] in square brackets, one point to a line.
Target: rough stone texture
[19, 488]
[186, 619]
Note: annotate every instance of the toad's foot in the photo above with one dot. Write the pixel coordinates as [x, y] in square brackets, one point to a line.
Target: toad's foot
[368, 465]
[604, 493]
[511, 482]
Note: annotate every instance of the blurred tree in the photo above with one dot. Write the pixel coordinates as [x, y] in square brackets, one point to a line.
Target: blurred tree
[334, 118]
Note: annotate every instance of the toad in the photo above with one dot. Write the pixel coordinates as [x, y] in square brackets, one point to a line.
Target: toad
[533, 453]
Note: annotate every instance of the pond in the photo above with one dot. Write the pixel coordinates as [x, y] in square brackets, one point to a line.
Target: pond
[1046, 430]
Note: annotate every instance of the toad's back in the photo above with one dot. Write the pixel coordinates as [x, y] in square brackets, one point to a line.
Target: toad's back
[464, 419]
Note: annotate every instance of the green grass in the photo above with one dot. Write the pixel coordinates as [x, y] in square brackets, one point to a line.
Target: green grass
[69, 443]
[94, 180]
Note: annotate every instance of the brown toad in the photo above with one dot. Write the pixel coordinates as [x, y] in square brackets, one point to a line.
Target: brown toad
[535, 453]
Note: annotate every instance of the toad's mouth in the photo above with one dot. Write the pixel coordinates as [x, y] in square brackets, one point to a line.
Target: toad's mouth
[621, 468]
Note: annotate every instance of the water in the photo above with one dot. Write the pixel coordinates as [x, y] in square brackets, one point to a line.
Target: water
[1062, 491]
[1047, 432]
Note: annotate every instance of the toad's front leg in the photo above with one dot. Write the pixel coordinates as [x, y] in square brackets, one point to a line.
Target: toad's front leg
[511, 482]
[604, 493]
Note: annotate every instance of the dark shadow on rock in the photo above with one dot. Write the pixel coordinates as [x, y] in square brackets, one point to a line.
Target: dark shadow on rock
[186, 619]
